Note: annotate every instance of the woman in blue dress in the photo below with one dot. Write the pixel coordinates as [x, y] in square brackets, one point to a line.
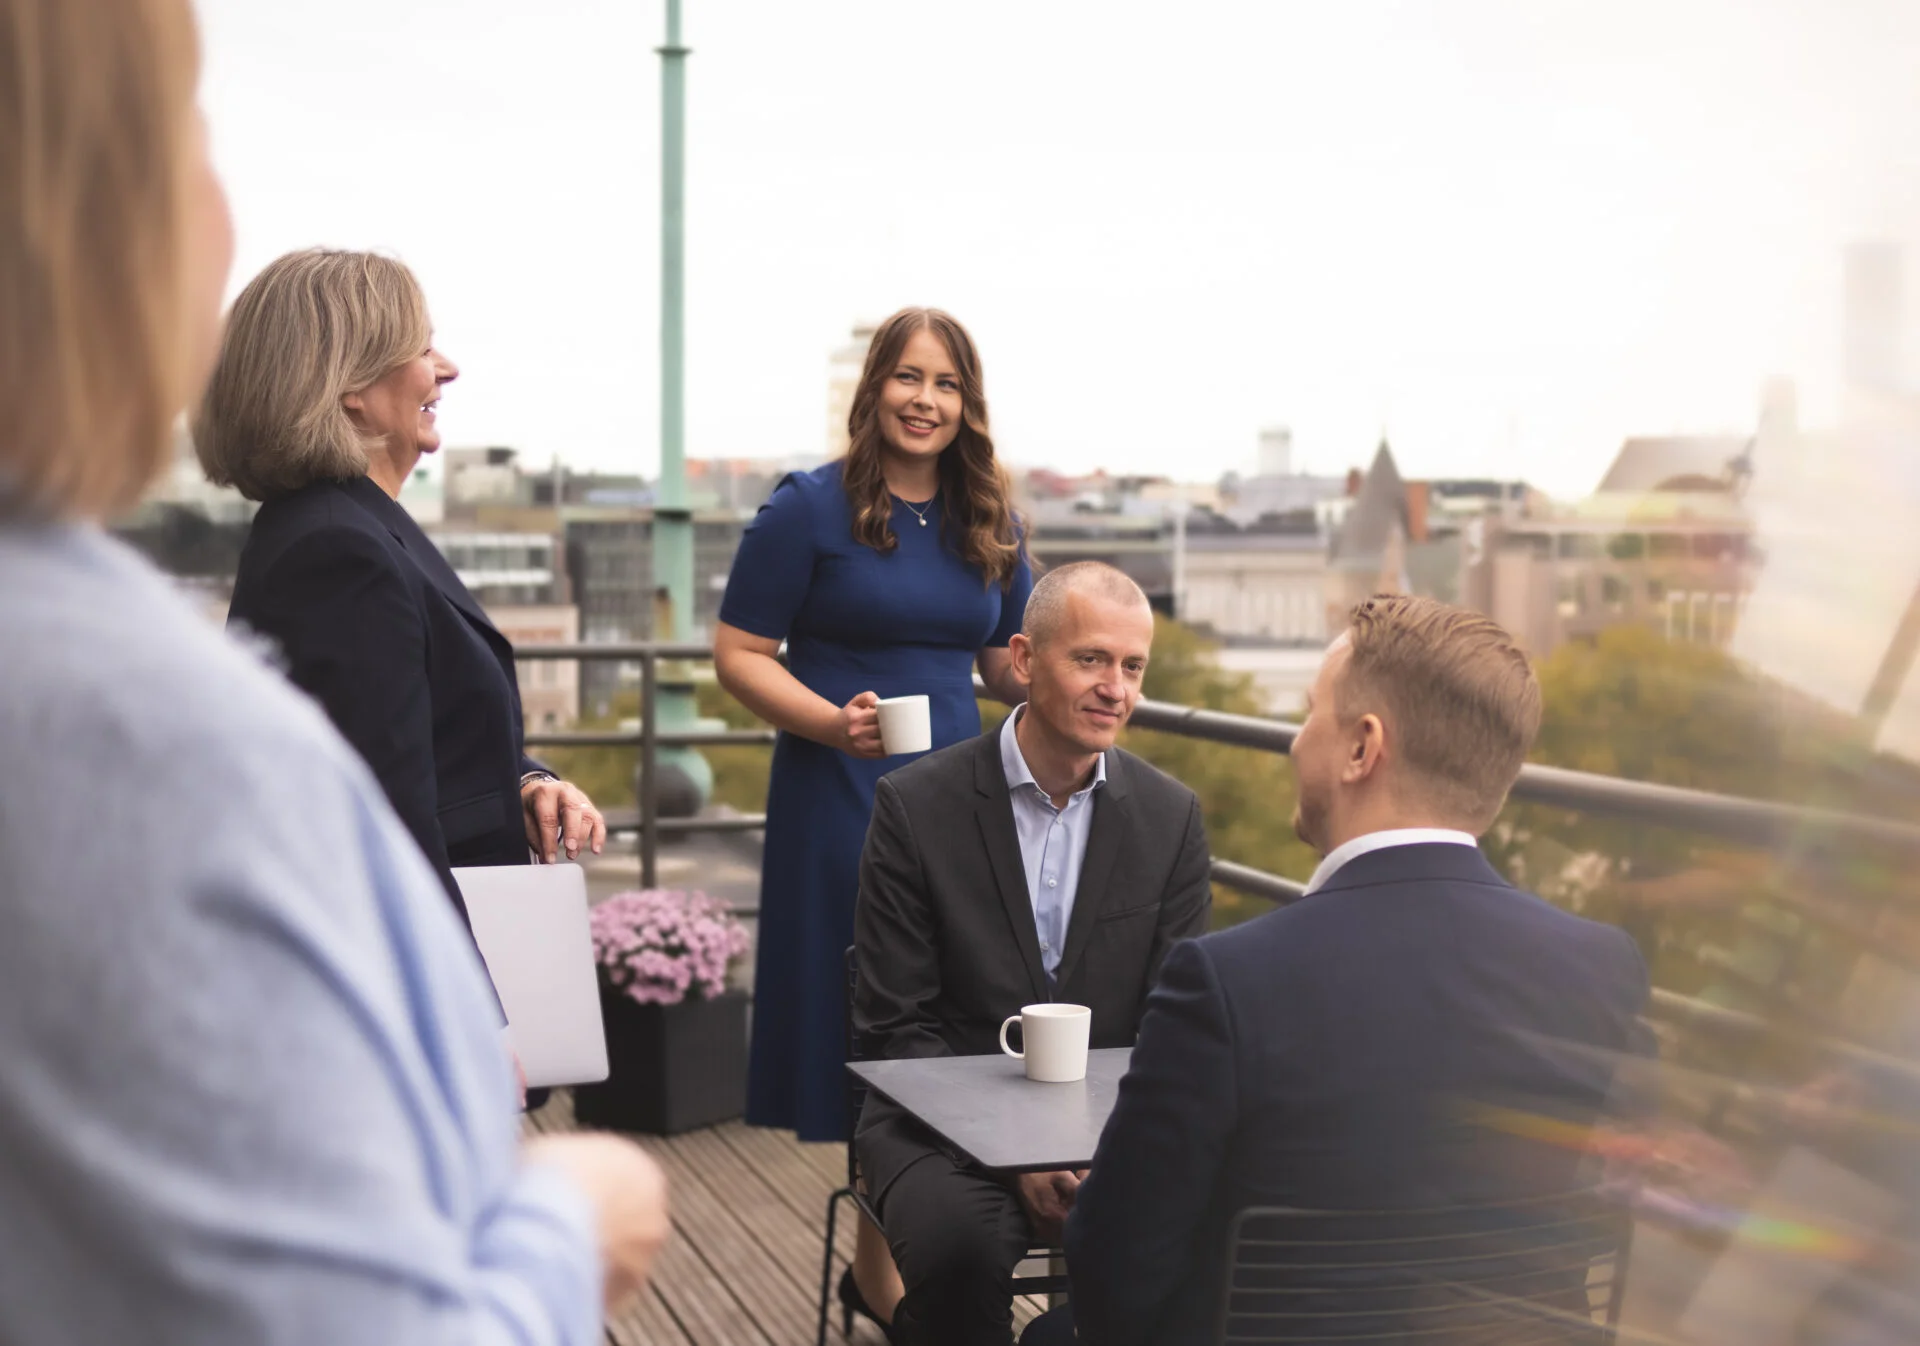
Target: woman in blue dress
[894, 571]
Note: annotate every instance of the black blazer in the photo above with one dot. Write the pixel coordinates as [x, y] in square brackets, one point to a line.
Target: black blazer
[1337, 1054]
[944, 933]
[373, 623]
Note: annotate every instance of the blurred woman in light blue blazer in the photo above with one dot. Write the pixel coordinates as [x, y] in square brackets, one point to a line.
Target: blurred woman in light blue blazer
[251, 1087]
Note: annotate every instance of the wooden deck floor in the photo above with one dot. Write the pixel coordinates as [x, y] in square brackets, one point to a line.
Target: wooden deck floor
[749, 1214]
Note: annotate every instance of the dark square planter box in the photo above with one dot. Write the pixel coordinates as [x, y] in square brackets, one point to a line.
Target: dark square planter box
[671, 1067]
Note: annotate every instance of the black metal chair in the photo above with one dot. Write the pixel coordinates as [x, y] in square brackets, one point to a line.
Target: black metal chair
[1049, 1284]
[1543, 1272]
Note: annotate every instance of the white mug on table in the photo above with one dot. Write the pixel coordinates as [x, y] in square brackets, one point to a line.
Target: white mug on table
[1055, 1039]
[906, 724]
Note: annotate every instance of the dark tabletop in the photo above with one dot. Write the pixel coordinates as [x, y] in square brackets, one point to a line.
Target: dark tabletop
[987, 1108]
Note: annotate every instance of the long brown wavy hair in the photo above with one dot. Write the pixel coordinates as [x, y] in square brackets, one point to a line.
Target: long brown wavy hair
[978, 515]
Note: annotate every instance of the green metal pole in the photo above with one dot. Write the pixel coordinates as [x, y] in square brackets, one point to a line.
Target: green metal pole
[673, 523]
[672, 515]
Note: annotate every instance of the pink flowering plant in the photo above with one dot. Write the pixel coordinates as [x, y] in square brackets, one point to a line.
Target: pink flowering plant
[660, 947]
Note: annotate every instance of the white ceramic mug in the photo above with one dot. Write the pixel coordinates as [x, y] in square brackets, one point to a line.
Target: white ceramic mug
[1055, 1037]
[906, 724]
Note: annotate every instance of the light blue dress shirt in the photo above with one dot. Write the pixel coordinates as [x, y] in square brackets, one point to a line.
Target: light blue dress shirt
[252, 1089]
[1053, 842]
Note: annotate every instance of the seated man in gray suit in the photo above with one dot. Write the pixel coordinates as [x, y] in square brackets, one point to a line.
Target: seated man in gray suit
[1038, 862]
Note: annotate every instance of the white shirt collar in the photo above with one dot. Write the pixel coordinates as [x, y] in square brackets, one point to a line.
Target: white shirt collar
[1380, 841]
[1014, 762]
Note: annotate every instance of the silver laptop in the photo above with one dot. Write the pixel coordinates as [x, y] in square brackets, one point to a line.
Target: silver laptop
[530, 922]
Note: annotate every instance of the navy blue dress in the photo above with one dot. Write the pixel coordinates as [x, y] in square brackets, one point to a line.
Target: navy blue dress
[907, 623]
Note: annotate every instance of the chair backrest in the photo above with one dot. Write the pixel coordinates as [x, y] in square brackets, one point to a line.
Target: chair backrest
[856, 1091]
[1545, 1271]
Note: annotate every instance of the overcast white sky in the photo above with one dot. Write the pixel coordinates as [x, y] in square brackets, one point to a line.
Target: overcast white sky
[1511, 233]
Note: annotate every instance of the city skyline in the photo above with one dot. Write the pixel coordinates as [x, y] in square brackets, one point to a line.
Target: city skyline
[1508, 239]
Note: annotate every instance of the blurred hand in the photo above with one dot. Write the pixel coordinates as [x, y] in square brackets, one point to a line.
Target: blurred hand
[629, 1194]
[559, 815]
[1825, 1100]
[519, 1071]
[1048, 1198]
[858, 728]
[1681, 1161]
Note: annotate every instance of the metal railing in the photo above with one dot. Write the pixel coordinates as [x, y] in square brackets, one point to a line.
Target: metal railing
[1753, 822]
[648, 739]
[1726, 817]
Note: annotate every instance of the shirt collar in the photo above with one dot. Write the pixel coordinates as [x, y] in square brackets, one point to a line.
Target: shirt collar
[1380, 841]
[1014, 762]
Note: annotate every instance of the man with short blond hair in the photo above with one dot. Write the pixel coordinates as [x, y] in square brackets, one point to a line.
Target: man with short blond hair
[1346, 1051]
[1463, 702]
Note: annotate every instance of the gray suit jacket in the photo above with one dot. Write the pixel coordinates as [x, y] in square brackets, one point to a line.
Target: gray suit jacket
[944, 931]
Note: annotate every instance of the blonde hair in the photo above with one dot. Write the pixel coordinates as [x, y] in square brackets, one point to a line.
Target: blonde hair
[1458, 695]
[96, 123]
[311, 328]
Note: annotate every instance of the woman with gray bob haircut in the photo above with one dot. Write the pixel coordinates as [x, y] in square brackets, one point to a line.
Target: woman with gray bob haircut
[323, 400]
[287, 404]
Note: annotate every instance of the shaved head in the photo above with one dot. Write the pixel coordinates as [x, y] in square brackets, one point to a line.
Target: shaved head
[1082, 658]
[1047, 607]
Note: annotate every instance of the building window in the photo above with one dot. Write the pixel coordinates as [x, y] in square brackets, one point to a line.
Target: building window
[1669, 546]
[1726, 608]
[1627, 546]
[1701, 617]
[1569, 595]
[1613, 592]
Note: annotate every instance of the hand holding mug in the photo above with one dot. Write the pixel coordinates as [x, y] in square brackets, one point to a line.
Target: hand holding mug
[857, 729]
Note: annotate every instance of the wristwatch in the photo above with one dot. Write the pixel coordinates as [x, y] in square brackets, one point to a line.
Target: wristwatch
[533, 776]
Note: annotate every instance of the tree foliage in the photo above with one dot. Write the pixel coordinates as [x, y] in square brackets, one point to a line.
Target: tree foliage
[1710, 916]
[1246, 795]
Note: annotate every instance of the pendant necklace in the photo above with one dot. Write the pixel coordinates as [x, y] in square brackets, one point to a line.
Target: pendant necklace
[920, 513]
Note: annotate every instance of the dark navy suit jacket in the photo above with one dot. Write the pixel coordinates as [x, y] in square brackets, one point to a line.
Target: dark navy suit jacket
[374, 624]
[1341, 1053]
